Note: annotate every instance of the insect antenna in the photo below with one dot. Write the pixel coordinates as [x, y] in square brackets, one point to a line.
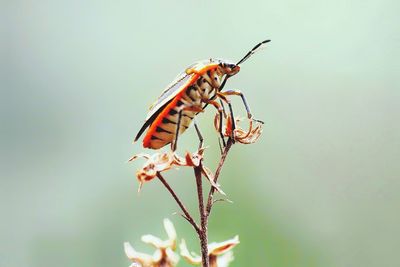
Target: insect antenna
[252, 51]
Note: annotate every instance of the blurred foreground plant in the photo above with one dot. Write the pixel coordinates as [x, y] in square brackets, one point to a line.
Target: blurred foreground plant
[164, 256]
[219, 254]
[214, 254]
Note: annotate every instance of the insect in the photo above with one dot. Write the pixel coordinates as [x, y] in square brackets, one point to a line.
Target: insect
[194, 89]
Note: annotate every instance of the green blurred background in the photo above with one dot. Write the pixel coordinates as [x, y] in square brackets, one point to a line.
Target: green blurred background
[320, 188]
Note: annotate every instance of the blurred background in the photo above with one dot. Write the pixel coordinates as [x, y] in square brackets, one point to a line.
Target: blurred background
[320, 188]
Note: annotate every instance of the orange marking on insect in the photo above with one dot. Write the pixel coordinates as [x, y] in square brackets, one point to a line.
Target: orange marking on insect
[172, 104]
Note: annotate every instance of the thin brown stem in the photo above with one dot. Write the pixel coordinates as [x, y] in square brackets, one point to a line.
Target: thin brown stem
[213, 261]
[187, 215]
[216, 175]
[203, 210]
[203, 217]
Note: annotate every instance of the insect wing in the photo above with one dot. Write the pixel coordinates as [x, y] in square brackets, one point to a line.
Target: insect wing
[180, 83]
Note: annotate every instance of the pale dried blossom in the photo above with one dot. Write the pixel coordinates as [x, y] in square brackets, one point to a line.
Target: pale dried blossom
[160, 162]
[220, 254]
[155, 163]
[240, 135]
[164, 256]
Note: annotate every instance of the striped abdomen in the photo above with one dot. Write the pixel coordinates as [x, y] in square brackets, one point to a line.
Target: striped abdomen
[164, 129]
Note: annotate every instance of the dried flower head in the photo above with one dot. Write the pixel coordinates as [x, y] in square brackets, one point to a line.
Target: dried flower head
[220, 254]
[160, 162]
[164, 256]
[157, 162]
[240, 135]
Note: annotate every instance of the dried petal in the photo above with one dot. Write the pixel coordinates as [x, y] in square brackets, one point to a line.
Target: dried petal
[172, 257]
[223, 247]
[143, 259]
[163, 161]
[201, 150]
[157, 256]
[228, 127]
[140, 155]
[179, 160]
[170, 229]
[242, 136]
[219, 253]
[146, 173]
[189, 257]
[160, 244]
[216, 122]
[153, 241]
[249, 137]
[156, 163]
[210, 177]
[225, 259]
[192, 160]
[164, 254]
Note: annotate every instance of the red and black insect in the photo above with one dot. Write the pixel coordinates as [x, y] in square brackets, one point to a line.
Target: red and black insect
[195, 88]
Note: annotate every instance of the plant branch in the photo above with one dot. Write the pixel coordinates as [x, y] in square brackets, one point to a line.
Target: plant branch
[216, 175]
[203, 210]
[203, 217]
[187, 215]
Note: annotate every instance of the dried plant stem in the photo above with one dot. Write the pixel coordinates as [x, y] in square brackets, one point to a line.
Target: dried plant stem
[203, 210]
[203, 217]
[187, 215]
[210, 201]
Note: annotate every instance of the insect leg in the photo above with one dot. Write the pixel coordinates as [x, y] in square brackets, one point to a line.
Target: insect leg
[178, 126]
[220, 126]
[194, 108]
[220, 129]
[220, 147]
[198, 133]
[237, 92]
[220, 111]
[223, 97]
[223, 107]
[224, 82]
